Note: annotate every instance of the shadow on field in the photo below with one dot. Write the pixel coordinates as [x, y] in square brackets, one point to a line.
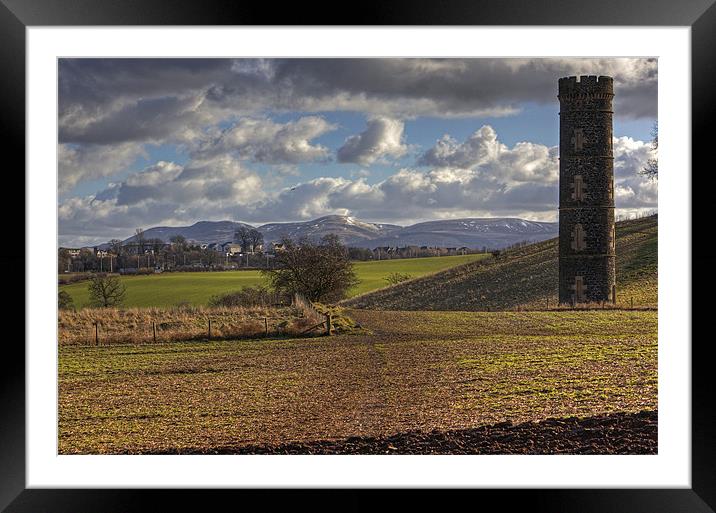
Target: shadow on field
[617, 433]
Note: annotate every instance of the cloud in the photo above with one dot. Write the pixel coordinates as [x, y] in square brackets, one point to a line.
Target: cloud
[90, 162]
[111, 109]
[524, 162]
[120, 100]
[163, 194]
[383, 137]
[479, 177]
[263, 140]
[631, 189]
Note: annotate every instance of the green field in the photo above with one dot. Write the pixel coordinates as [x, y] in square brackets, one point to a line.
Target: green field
[415, 371]
[196, 288]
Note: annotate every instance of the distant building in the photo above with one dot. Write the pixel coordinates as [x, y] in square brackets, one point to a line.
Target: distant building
[231, 248]
[72, 252]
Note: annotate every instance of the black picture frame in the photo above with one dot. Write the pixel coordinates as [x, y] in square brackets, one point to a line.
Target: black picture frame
[16, 15]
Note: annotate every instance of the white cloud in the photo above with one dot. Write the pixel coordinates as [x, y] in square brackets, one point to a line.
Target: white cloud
[110, 109]
[90, 162]
[491, 180]
[633, 190]
[482, 151]
[163, 194]
[383, 137]
[263, 140]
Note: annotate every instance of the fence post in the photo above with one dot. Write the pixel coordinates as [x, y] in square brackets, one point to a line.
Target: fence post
[614, 294]
[329, 322]
[154, 330]
[266, 325]
[632, 302]
[96, 333]
[209, 329]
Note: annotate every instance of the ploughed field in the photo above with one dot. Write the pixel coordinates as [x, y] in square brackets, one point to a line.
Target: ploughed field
[195, 288]
[425, 382]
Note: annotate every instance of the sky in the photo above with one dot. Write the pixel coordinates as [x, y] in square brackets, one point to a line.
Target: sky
[169, 142]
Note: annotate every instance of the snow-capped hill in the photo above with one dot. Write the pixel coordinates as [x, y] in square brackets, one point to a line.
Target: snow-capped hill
[472, 233]
[349, 229]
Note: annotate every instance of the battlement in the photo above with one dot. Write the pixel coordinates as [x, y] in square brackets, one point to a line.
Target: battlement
[586, 85]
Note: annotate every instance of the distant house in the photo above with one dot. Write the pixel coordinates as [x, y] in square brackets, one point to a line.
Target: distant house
[278, 246]
[463, 250]
[72, 252]
[384, 252]
[231, 248]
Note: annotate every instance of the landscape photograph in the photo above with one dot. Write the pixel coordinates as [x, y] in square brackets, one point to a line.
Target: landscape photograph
[357, 256]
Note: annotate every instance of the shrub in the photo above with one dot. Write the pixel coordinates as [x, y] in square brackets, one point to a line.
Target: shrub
[395, 278]
[64, 301]
[248, 296]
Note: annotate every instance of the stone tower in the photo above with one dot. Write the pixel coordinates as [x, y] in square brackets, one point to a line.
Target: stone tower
[586, 190]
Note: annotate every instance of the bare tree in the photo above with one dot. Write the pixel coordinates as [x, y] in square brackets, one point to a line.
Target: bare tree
[106, 290]
[321, 272]
[139, 238]
[178, 240]
[255, 239]
[241, 235]
[652, 165]
[115, 246]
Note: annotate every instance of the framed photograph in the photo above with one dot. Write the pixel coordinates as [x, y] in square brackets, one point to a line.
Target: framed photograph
[428, 249]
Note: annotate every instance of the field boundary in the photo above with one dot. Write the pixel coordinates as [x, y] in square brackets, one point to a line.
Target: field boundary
[140, 326]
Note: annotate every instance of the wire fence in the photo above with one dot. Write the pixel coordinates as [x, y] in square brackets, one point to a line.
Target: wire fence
[103, 326]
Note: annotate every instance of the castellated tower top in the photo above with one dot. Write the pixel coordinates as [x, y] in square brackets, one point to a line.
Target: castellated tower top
[586, 86]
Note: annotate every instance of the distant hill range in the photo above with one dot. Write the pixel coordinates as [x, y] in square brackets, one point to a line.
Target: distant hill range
[493, 233]
[525, 277]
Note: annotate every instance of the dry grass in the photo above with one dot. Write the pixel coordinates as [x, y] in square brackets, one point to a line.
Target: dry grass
[416, 371]
[136, 325]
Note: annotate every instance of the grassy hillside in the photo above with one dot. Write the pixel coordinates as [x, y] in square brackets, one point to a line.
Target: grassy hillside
[160, 290]
[526, 277]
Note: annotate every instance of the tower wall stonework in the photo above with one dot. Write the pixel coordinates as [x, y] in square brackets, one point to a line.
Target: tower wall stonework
[586, 190]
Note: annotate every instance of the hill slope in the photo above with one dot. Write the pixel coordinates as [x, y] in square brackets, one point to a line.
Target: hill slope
[203, 232]
[349, 229]
[470, 232]
[524, 277]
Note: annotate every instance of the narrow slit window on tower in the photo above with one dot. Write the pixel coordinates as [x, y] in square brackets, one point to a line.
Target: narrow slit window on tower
[578, 238]
[578, 188]
[578, 139]
[580, 289]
